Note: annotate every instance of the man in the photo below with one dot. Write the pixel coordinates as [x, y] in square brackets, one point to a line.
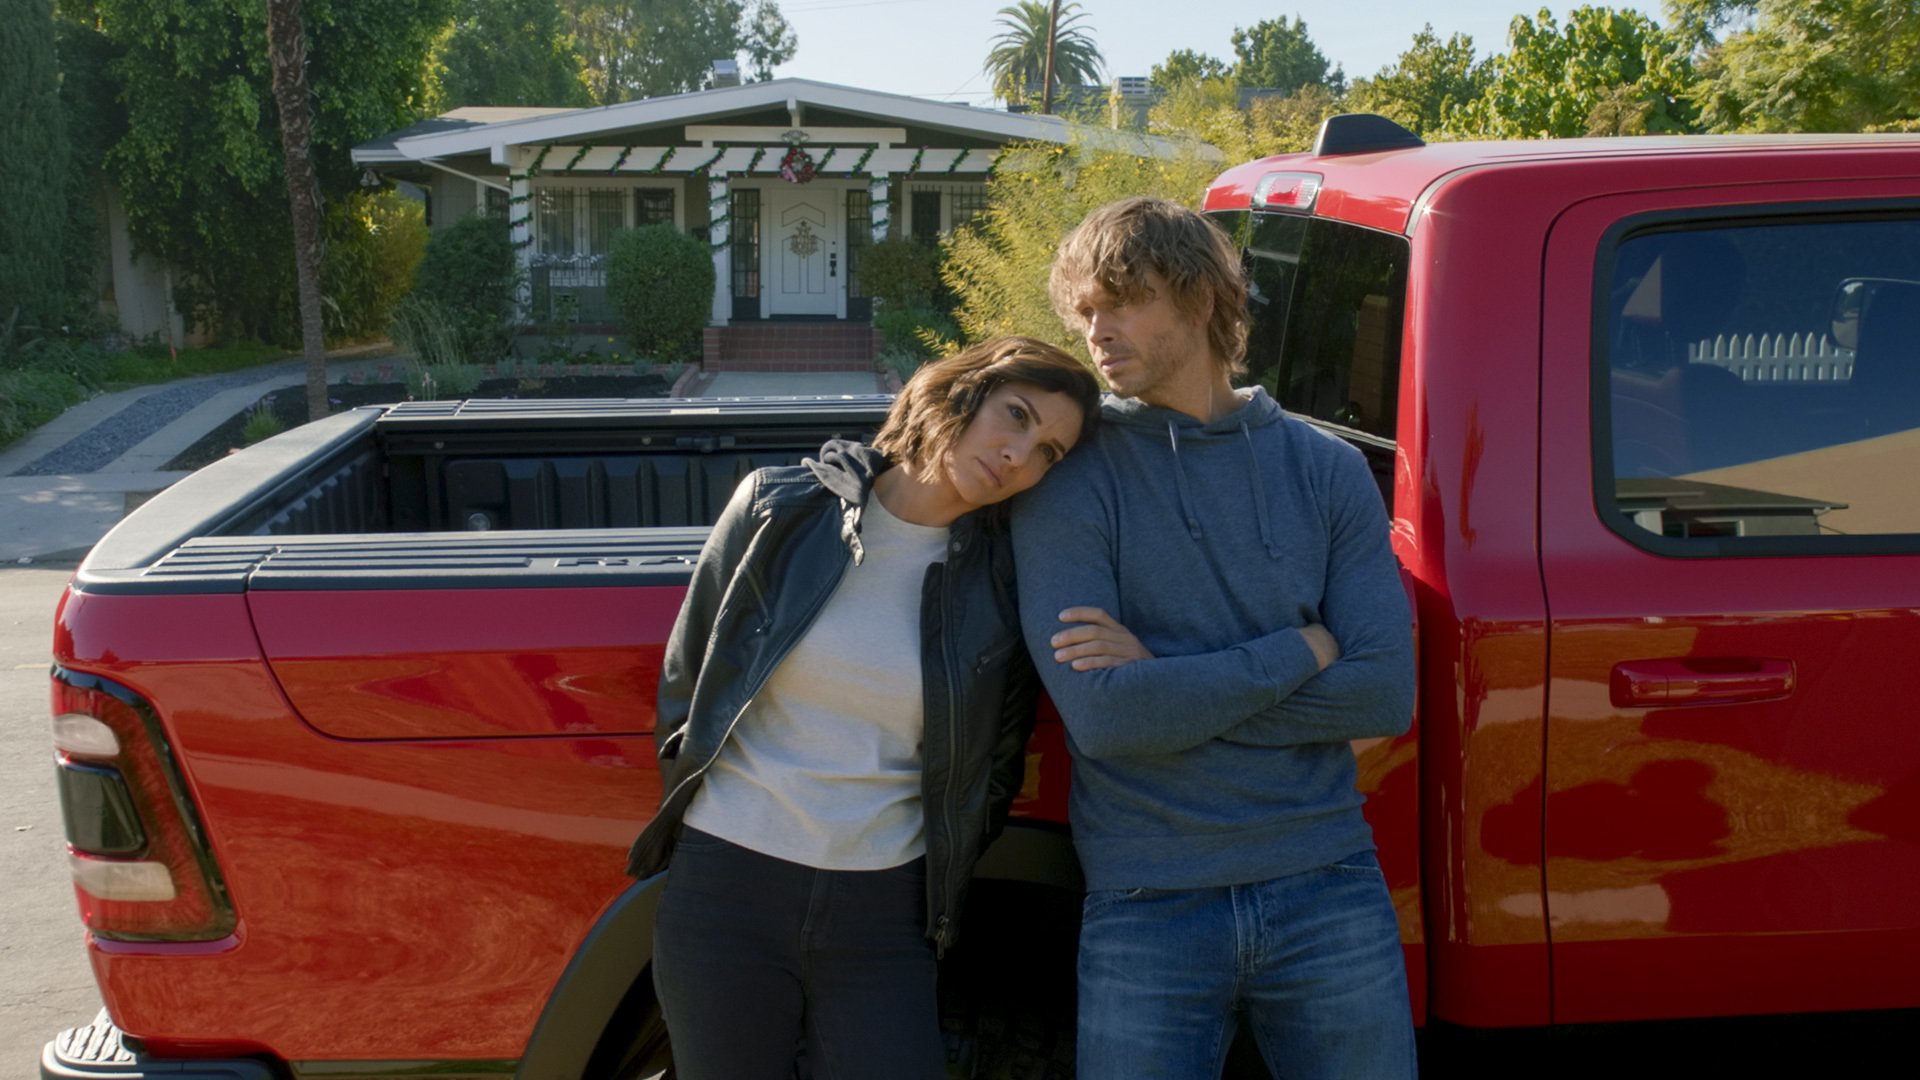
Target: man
[1209, 593]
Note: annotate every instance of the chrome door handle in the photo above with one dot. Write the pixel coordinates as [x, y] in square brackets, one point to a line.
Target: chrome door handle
[1701, 680]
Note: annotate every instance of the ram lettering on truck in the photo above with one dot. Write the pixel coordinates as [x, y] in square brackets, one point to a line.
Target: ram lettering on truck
[353, 727]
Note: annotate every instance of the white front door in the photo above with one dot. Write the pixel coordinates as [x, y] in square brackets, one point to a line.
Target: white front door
[804, 261]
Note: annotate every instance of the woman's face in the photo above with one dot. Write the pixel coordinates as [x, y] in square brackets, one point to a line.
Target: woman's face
[1019, 432]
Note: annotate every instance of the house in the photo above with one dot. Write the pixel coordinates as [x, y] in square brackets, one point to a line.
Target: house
[787, 181]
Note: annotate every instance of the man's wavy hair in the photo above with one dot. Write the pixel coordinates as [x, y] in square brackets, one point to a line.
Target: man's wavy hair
[1115, 246]
[942, 398]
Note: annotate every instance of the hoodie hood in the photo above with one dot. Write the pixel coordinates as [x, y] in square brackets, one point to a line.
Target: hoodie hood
[1257, 410]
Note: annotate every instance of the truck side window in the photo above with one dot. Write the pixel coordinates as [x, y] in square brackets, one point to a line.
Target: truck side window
[1324, 301]
[1762, 380]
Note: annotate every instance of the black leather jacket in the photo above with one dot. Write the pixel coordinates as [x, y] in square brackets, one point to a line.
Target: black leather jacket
[773, 559]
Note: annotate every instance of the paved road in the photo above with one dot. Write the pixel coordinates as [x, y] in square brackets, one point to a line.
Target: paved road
[45, 983]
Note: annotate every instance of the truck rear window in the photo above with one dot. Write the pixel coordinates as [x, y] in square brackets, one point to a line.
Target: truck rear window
[1324, 305]
[1760, 381]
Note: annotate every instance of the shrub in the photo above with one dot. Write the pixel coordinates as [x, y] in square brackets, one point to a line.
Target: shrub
[374, 247]
[262, 423]
[424, 327]
[901, 273]
[921, 332]
[660, 284]
[32, 396]
[470, 271]
[442, 382]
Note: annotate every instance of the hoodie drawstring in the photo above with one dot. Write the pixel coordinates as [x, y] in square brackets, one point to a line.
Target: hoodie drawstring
[1180, 482]
[1259, 494]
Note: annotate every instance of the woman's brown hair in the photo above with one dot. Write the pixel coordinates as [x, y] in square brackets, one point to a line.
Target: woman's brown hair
[941, 399]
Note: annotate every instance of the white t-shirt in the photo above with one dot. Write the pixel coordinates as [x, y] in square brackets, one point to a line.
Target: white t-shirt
[823, 768]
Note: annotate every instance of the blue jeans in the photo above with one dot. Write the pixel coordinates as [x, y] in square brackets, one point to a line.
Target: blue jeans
[1312, 960]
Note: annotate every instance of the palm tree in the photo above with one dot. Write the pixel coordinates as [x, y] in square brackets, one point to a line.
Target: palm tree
[1019, 57]
[287, 51]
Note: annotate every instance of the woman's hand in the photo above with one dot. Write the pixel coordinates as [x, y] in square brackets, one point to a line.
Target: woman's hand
[1097, 641]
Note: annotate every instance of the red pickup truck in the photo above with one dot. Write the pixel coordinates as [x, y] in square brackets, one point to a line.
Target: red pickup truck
[353, 727]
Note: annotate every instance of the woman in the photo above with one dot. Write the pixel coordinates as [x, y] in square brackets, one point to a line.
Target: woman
[843, 709]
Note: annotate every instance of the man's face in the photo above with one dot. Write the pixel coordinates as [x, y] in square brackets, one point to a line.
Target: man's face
[1145, 349]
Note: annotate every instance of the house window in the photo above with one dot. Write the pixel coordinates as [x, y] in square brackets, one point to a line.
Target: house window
[653, 206]
[555, 220]
[745, 229]
[964, 206]
[859, 235]
[606, 214]
[579, 221]
[926, 215]
[496, 203]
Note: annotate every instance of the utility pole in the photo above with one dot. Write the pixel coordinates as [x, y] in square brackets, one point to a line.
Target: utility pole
[1046, 80]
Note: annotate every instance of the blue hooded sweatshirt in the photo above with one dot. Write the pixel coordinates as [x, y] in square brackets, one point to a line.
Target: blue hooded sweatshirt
[1226, 759]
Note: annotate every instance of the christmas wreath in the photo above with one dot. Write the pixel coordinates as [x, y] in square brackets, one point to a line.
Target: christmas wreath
[797, 166]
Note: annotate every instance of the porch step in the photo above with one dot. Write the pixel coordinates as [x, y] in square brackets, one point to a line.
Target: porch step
[788, 346]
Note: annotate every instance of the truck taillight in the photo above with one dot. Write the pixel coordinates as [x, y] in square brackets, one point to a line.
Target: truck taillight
[142, 868]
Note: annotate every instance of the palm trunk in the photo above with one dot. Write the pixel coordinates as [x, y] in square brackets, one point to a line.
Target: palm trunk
[287, 46]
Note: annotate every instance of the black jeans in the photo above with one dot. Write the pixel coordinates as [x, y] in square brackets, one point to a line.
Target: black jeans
[751, 954]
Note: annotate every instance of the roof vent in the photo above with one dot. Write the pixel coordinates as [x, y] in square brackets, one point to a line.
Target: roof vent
[726, 73]
[1361, 133]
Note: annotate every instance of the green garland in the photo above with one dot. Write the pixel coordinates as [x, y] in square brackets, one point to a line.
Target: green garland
[534, 169]
[662, 163]
[957, 159]
[757, 155]
[625, 151]
[582, 152]
[701, 169]
[821, 165]
[861, 165]
[914, 165]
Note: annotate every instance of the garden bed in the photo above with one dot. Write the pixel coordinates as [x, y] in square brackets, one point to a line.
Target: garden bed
[289, 404]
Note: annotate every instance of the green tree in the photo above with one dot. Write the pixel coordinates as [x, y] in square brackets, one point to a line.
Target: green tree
[1564, 82]
[1275, 54]
[95, 120]
[1804, 65]
[647, 48]
[998, 268]
[1183, 66]
[200, 170]
[1421, 89]
[1018, 60]
[509, 52]
[1208, 111]
[33, 208]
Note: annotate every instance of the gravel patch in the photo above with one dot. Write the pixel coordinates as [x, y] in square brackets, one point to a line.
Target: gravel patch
[98, 446]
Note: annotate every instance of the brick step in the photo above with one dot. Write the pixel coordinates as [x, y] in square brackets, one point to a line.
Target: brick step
[790, 347]
[731, 364]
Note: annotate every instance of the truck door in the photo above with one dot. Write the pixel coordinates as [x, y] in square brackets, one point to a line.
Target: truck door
[1730, 501]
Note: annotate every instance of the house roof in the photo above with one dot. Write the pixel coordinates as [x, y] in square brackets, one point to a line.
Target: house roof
[464, 131]
[466, 118]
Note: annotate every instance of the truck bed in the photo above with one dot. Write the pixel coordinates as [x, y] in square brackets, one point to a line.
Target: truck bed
[441, 494]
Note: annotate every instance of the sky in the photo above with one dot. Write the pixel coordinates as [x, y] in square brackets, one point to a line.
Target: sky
[934, 48]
